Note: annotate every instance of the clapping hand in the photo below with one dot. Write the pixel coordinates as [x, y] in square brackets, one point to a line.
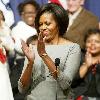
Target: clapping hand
[41, 45]
[28, 51]
[90, 60]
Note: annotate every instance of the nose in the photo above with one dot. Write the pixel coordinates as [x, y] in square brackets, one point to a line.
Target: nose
[92, 42]
[43, 27]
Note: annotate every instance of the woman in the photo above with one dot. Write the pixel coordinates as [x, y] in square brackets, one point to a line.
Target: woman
[5, 37]
[50, 81]
[5, 86]
[5, 34]
[90, 69]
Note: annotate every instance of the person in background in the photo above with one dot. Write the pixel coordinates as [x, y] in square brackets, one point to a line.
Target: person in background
[5, 34]
[6, 39]
[7, 11]
[80, 20]
[5, 85]
[23, 30]
[14, 4]
[89, 72]
[32, 40]
[43, 76]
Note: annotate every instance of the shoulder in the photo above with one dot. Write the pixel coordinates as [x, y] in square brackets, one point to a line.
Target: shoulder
[18, 29]
[90, 19]
[70, 46]
[18, 25]
[89, 14]
[74, 45]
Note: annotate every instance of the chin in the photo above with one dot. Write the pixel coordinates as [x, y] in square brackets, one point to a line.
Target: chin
[95, 53]
[47, 40]
[30, 23]
[71, 10]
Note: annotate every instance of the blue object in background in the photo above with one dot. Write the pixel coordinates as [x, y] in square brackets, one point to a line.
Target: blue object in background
[14, 4]
[93, 6]
[41, 2]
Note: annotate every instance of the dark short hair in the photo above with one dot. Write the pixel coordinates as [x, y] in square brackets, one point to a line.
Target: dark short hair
[2, 15]
[23, 4]
[59, 13]
[91, 32]
[31, 38]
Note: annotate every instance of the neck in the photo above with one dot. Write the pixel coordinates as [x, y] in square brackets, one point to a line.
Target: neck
[96, 57]
[32, 26]
[78, 10]
[54, 41]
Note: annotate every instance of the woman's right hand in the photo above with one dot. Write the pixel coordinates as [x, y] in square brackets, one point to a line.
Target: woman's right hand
[89, 60]
[41, 45]
[28, 51]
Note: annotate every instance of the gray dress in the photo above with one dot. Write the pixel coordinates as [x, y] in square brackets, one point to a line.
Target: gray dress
[44, 86]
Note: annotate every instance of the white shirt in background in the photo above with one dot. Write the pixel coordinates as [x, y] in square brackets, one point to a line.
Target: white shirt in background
[22, 31]
[72, 17]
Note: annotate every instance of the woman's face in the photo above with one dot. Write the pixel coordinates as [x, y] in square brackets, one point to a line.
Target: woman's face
[29, 14]
[93, 44]
[48, 26]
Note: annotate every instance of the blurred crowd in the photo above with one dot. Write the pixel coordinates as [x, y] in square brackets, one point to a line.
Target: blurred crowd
[21, 24]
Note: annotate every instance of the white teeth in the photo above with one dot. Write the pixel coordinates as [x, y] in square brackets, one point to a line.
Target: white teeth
[30, 18]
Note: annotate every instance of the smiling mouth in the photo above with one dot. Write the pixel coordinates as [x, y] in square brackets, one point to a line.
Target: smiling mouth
[92, 49]
[30, 18]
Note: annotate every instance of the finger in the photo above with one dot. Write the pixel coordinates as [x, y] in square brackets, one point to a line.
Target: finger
[22, 42]
[44, 39]
[24, 45]
[88, 50]
[31, 47]
[40, 37]
[87, 54]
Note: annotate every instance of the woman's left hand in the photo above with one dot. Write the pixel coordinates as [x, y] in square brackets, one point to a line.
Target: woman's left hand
[41, 45]
[28, 51]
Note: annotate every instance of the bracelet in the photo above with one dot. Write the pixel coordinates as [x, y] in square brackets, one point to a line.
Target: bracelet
[55, 71]
[44, 54]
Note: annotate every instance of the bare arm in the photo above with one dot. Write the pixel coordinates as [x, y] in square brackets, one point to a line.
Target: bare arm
[83, 70]
[65, 77]
[25, 78]
[47, 60]
[89, 62]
